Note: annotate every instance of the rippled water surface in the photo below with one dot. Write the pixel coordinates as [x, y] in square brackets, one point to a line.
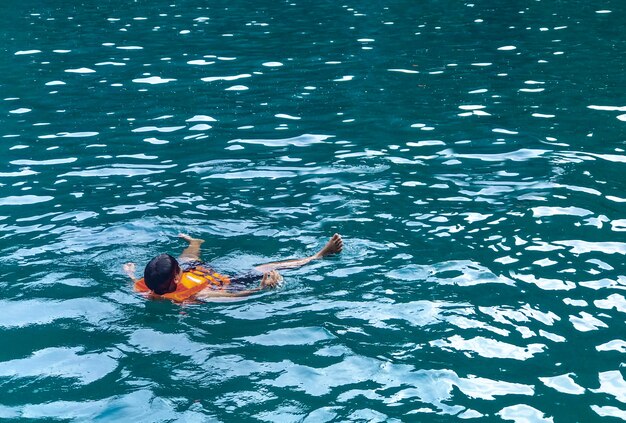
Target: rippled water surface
[472, 155]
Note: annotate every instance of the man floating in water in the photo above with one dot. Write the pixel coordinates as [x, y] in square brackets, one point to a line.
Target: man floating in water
[189, 278]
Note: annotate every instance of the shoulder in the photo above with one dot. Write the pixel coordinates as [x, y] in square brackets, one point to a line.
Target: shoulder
[188, 264]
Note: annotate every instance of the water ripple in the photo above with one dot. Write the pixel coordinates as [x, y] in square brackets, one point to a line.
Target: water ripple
[471, 157]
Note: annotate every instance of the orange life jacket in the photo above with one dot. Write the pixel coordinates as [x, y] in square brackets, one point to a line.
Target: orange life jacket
[191, 282]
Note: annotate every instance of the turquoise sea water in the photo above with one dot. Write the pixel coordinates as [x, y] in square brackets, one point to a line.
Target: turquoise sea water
[471, 154]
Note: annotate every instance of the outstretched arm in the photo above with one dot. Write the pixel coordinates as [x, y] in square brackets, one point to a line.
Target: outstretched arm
[208, 293]
[129, 269]
[192, 252]
[270, 280]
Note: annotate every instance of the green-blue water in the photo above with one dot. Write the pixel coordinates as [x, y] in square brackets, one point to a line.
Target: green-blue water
[471, 154]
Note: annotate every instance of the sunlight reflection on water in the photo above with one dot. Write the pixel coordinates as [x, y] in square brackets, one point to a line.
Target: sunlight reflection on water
[472, 160]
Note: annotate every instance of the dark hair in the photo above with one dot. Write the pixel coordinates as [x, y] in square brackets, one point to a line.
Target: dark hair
[159, 273]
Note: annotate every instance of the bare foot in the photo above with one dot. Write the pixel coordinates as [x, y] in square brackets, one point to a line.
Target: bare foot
[333, 246]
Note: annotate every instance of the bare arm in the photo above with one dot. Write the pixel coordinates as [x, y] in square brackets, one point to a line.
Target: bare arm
[270, 280]
[209, 293]
[129, 269]
[192, 252]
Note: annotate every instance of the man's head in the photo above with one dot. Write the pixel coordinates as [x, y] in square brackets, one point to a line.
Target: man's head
[161, 274]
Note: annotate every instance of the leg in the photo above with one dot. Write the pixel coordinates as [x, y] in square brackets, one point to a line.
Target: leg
[333, 246]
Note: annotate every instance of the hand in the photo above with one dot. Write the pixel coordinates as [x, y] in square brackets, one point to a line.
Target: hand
[190, 239]
[129, 269]
[271, 279]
